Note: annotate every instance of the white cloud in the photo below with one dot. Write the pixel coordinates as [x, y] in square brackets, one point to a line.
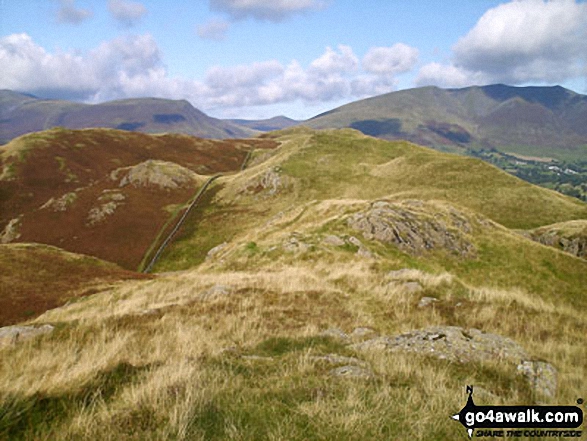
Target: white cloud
[332, 62]
[92, 76]
[450, 76]
[132, 66]
[518, 42]
[213, 30]
[272, 10]
[126, 12]
[393, 60]
[68, 13]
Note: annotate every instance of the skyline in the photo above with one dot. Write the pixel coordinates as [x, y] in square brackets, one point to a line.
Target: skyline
[261, 58]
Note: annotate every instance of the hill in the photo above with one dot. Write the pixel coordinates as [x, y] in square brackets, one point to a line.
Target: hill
[267, 125]
[339, 287]
[103, 192]
[548, 121]
[21, 114]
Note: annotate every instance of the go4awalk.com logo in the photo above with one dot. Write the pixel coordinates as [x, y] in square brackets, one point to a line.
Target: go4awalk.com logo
[518, 421]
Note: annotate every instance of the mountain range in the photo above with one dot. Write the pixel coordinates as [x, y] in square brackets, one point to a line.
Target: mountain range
[21, 114]
[546, 121]
[551, 121]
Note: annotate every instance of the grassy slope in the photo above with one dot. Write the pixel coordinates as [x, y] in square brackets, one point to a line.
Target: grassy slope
[184, 369]
[346, 164]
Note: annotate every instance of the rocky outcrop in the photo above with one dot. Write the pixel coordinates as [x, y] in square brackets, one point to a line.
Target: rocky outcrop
[162, 174]
[451, 343]
[416, 227]
[111, 200]
[270, 183]
[11, 231]
[61, 203]
[461, 345]
[15, 334]
[570, 237]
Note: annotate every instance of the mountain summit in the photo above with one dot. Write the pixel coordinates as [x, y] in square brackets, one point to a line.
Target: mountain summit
[21, 114]
[497, 116]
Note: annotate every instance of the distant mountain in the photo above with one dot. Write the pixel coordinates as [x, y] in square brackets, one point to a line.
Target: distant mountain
[267, 125]
[510, 119]
[21, 114]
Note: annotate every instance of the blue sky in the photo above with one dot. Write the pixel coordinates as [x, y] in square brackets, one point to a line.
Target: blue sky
[260, 58]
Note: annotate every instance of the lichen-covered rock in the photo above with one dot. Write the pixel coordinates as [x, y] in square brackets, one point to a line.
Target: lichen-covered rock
[15, 334]
[295, 244]
[352, 371]
[541, 375]
[427, 301]
[162, 174]
[415, 226]
[215, 292]
[110, 201]
[11, 231]
[333, 240]
[451, 343]
[270, 183]
[61, 203]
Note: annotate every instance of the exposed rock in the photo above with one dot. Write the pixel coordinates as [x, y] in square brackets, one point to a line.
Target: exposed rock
[570, 237]
[398, 274]
[295, 244]
[15, 334]
[333, 240]
[256, 358]
[352, 371]
[542, 377]
[427, 301]
[214, 251]
[451, 343]
[98, 214]
[362, 250]
[215, 292]
[10, 232]
[415, 227]
[60, 204]
[411, 287]
[335, 333]
[271, 182]
[338, 359]
[362, 333]
[162, 174]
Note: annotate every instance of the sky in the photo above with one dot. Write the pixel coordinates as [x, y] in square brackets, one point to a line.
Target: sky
[256, 59]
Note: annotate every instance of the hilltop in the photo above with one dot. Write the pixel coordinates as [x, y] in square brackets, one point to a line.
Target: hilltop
[21, 114]
[337, 287]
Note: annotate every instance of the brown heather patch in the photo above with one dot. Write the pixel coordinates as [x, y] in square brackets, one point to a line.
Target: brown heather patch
[58, 162]
[36, 278]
